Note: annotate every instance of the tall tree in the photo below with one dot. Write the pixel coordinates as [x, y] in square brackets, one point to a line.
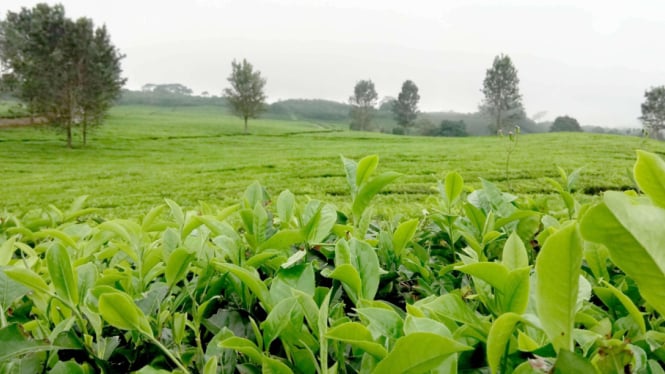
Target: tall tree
[63, 70]
[565, 124]
[362, 103]
[653, 111]
[66, 71]
[246, 94]
[502, 102]
[405, 108]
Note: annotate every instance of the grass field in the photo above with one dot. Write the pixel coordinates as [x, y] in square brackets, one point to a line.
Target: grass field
[145, 154]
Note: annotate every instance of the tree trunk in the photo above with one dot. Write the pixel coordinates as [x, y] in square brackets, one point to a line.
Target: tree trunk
[85, 128]
[246, 131]
[498, 122]
[69, 135]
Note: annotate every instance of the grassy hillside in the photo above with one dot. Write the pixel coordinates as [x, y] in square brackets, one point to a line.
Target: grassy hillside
[145, 154]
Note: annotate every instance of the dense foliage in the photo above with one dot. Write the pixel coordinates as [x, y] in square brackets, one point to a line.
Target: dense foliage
[481, 282]
[363, 103]
[64, 70]
[502, 99]
[405, 107]
[566, 124]
[246, 96]
[653, 111]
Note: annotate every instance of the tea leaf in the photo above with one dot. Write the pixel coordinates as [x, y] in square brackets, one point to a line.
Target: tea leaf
[118, 309]
[649, 173]
[358, 336]
[557, 272]
[62, 274]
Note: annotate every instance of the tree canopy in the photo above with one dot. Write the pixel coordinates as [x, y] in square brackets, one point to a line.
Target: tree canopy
[565, 123]
[246, 95]
[502, 101]
[64, 70]
[363, 104]
[653, 111]
[405, 108]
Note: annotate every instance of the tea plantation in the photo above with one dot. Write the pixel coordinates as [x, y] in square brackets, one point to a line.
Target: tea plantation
[298, 250]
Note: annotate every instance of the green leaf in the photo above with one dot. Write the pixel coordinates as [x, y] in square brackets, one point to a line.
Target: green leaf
[7, 250]
[357, 336]
[366, 167]
[649, 173]
[10, 290]
[28, 278]
[286, 203]
[251, 279]
[286, 315]
[15, 343]
[454, 185]
[176, 212]
[493, 273]
[68, 367]
[118, 309]
[273, 366]
[418, 353]
[350, 167]
[350, 279]
[569, 362]
[369, 269]
[299, 277]
[514, 253]
[499, 337]
[62, 274]
[557, 273]
[419, 324]
[244, 346]
[634, 243]
[627, 303]
[177, 265]
[382, 322]
[368, 190]
[403, 235]
[282, 240]
[514, 296]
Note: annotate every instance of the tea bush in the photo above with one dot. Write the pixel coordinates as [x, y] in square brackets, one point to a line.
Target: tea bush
[482, 282]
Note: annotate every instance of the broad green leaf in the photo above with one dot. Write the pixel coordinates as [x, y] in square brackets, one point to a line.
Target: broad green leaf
[366, 167]
[627, 303]
[10, 290]
[176, 212]
[244, 346]
[350, 278]
[250, 279]
[254, 194]
[514, 253]
[649, 173]
[382, 322]
[451, 306]
[403, 235]
[418, 353]
[514, 296]
[287, 314]
[499, 337]
[299, 277]
[357, 335]
[273, 366]
[28, 278]
[65, 239]
[368, 267]
[369, 189]
[596, 256]
[569, 362]
[211, 365]
[118, 309]
[261, 224]
[318, 220]
[350, 167]
[419, 324]
[15, 343]
[69, 367]
[286, 204]
[177, 265]
[7, 250]
[557, 273]
[634, 243]
[283, 239]
[494, 273]
[454, 185]
[62, 274]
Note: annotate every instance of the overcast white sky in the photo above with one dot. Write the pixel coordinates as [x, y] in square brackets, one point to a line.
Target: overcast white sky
[589, 59]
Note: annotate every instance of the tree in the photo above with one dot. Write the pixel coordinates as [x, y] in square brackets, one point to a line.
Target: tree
[565, 123]
[653, 111]
[448, 128]
[502, 102]
[63, 70]
[246, 95]
[405, 108]
[362, 103]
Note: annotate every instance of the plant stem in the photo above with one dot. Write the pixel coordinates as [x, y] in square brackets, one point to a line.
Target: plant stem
[169, 354]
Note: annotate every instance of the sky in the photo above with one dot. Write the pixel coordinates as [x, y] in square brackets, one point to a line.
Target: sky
[592, 59]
